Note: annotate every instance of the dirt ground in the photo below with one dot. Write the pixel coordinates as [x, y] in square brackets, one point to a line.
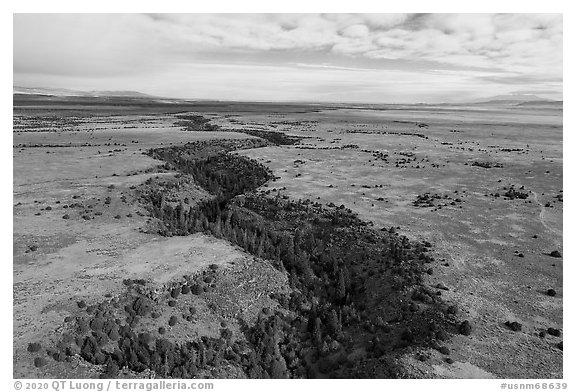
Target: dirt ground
[480, 238]
[58, 262]
[477, 240]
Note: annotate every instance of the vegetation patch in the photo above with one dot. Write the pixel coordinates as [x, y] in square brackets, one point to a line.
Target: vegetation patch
[201, 123]
[487, 165]
[429, 200]
[353, 289]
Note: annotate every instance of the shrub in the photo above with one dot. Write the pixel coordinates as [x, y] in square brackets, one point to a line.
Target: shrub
[441, 335]
[452, 309]
[113, 334]
[142, 306]
[112, 369]
[97, 324]
[39, 362]
[465, 328]
[82, 325]
[34, 347]
[407, 335]
[514, 325]
[226, 334]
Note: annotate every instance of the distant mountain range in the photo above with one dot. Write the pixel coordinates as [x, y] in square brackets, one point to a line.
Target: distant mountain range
[516, 99]
[509, 99]
[61, 92]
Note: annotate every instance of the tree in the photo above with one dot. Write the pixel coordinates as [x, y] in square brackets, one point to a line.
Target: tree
[278, 369]
[341, 287]
[334, 325]
[317, 332]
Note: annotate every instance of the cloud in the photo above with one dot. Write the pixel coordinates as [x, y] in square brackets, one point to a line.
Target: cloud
[457, 39]
[356, 31]
[509, 49]
[491, 41]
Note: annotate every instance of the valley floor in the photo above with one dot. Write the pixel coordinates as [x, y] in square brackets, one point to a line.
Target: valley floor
[439, 176]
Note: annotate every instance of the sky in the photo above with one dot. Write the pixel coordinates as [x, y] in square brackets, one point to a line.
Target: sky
[375, 58]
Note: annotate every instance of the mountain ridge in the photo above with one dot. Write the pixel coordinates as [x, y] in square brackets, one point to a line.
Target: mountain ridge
[62, 92]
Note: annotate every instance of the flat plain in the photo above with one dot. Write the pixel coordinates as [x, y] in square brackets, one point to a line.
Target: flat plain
[481, 183]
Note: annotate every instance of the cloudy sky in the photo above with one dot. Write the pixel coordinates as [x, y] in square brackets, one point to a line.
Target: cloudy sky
[310, 57]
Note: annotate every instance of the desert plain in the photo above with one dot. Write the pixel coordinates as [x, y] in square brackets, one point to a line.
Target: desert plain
[481, 185]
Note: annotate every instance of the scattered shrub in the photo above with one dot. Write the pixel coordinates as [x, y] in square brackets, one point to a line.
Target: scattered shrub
[34, 347]
[465, 328]
[441, 335]
[142, 306]
[39, 362]
[514, 325]
[444, 350]
[452, 309]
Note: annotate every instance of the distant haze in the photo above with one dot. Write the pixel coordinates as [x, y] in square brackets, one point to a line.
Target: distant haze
[383, 58]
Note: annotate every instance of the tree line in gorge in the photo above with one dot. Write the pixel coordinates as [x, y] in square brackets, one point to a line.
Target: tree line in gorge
[201, 123]
[336, 265]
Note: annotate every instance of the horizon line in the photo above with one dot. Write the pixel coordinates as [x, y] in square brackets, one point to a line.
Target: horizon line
[151, 96]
